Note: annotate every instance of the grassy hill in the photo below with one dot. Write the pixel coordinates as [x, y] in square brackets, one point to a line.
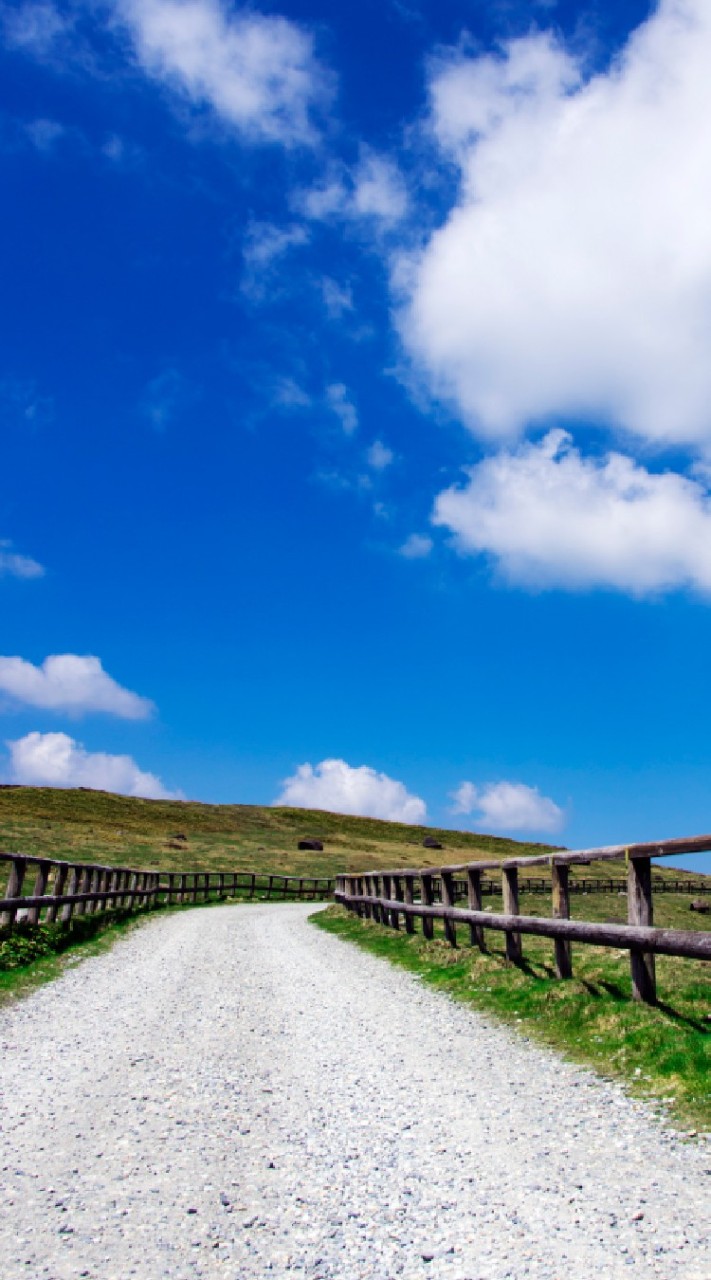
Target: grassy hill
[96, 826]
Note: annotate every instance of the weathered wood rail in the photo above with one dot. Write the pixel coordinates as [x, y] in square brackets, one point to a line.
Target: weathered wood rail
[430, 894]
[63, 889]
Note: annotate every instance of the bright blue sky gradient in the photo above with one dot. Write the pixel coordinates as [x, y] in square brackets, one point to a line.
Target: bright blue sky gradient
[187, 425]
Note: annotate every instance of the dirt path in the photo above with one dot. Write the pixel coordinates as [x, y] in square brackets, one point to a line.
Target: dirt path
[231, 1092]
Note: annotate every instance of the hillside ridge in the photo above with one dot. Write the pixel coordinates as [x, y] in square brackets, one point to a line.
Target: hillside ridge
[181, 835]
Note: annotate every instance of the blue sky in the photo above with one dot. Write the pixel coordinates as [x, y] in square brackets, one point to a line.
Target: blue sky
[355, 394]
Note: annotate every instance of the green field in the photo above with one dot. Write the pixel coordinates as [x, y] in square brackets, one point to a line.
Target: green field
[95, 826]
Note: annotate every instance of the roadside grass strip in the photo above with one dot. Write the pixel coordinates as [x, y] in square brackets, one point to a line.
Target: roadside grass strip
[662, 1052]
[32, 955]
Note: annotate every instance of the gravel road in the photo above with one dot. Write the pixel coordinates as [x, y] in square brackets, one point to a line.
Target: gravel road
[231, 1092]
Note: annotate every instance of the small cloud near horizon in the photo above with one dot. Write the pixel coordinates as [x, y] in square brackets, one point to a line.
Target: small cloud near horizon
[508, 806]
[56, 760]
[356, 790]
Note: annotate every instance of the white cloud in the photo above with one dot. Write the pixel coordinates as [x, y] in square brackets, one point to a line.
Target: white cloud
[464, 798]
[72, 683]
[44, 133]
[573, 277]
[416, 547]
[551, 517]
[340, 403]
[36, 29]
[379, 456]
[13, 565]
[372, 191]
[341, 788]
[508, 806]
[379, 190]
[56, 760]
[257, 72]
[289, 394]
[327, 199]
[337, 298]
[265, 242]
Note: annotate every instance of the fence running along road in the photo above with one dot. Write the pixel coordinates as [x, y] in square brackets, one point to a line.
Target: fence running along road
[431, 893]
[63, 889]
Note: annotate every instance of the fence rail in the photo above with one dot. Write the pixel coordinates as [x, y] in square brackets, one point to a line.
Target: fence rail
[536, 884]
[63, 889]
[431, 893]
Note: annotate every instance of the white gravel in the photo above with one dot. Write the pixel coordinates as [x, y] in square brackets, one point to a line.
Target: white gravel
[234, 1093]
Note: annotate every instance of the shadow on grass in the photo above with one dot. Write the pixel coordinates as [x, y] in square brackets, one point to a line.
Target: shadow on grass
[694, 1023]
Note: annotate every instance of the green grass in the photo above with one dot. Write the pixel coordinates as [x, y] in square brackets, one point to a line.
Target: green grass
[96, 826]
[663, 1053]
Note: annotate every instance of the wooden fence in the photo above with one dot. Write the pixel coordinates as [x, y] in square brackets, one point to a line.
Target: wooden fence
[536, 884]
[430, 894]
[63, 889]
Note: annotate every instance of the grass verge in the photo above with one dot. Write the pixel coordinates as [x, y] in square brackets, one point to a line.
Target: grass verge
[32, 955]
[662, 1053]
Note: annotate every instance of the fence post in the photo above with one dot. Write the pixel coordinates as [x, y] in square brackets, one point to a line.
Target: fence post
[395, 892]
[450, 931]
[640, 911]
[367, 910]
[509, 889]
[561, 911]
[387, 894]
[427, 899]
[105, 882]
[82, 886]
[60, 880]
[40, 884]
[375, 893]
[476, 931]
[14, 890]
[97, 885]
[67, 910]
[409, 900]
[372, 892]
[113, 887]
[96, 878]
